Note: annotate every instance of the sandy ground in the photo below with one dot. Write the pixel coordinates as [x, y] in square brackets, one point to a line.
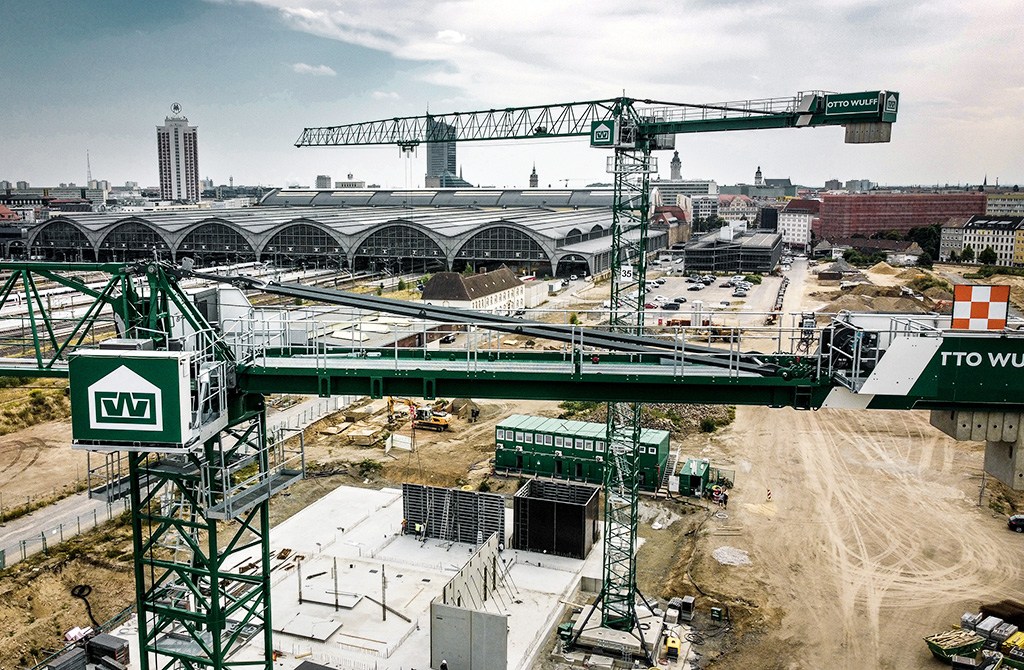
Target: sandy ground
[873, 538]
[38, 461]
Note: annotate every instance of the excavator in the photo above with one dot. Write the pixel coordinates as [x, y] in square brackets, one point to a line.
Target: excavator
[422, 416]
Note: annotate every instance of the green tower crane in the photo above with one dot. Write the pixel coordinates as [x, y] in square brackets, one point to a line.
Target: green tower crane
[180, 386]
[633, 129]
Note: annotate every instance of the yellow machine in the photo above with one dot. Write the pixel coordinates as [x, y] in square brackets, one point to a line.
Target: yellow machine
[672, 646]
[422, 416]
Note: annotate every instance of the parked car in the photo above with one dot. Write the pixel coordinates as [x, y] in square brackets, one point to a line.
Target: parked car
[447, 339]
[670, 305]
[739, 294]
[725, 284]
[650, 306]
[660, 298]
[573, 277]
[679, 300]
[696, 287]
[1016, 523]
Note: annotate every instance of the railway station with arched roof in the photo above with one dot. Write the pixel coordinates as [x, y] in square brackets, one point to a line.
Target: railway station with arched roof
[541, 231]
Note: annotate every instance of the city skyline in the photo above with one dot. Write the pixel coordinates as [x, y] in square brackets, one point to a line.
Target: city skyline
[253, 73]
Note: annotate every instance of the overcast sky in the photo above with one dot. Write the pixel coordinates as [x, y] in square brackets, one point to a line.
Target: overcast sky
[100, 75]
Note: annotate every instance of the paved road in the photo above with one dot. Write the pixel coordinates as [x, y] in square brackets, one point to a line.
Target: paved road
[55, 522]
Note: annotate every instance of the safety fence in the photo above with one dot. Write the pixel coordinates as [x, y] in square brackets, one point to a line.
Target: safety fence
[42, 540]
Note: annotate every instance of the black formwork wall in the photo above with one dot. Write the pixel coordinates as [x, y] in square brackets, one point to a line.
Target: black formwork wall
[453, 515]
[555, 517]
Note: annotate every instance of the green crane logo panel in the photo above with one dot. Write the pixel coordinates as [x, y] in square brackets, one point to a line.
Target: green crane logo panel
[852, 104]
[123, 399]
[603, 133]
[136, 397]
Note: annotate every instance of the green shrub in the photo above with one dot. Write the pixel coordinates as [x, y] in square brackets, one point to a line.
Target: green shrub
[368, 466]
[708, 425]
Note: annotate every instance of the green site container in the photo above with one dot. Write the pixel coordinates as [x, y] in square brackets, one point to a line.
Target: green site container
[571, 450]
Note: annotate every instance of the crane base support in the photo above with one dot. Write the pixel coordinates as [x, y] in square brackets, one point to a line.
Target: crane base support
[1004, 440]
[619, 644]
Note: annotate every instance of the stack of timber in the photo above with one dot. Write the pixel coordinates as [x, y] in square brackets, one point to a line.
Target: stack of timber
[955, 642]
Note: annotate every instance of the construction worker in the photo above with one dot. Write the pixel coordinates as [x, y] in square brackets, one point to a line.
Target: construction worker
[725, 500]
[444, 665]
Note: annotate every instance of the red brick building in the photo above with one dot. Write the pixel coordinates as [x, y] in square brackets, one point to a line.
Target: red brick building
[845, 215]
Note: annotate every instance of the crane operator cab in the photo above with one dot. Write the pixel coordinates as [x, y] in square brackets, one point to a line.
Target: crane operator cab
[148, 391]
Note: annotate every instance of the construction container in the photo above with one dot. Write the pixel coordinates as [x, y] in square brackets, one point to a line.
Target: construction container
[1003, 631]
[963, 662]
[108, 646]
[571, 450]
[686, 608]
[693, 479]
[970, 621]
[73, 660]
[987, 625]
[1015, 640]
[955, 642]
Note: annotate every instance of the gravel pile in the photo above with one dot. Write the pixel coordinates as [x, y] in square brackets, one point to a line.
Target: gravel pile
[676, 418]
[731, 556]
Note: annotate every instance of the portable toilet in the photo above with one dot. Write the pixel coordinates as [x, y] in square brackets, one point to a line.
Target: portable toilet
[693, 479]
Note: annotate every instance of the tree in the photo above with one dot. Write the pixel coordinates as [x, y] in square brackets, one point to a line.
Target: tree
[468, 269]
[953, 256]
[402, 285]
[925, 260]
[968, 254]
[894, 235]
[988, 256]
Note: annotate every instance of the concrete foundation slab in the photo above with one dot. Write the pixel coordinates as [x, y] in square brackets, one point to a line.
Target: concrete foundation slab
[619, 643]
[309, 627]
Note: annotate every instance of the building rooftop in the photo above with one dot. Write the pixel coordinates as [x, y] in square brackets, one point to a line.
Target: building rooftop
[454, 286]
[995, 222]
[440, 197]
[576, 428]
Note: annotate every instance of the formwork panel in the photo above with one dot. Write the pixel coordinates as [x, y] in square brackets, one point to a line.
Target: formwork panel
[452, 515]
[555, 517]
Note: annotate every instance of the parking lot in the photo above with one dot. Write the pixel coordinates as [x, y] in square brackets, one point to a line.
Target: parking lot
[714, 297]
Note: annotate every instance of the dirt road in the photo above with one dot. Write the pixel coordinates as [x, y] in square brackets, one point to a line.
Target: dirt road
[872, 540]
[38, 461]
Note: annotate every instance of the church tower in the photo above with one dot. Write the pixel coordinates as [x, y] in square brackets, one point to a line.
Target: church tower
[677, 167]
[758, 179]
[533, 177]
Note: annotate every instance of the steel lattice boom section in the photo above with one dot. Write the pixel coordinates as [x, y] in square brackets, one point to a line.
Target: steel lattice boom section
[540, 121]
[574, 119]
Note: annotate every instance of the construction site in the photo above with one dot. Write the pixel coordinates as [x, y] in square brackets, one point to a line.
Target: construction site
[619, 490]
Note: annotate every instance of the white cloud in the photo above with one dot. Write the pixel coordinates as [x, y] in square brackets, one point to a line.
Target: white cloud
[946, 57]
[450, 36]
[381, 95]
[315, 70]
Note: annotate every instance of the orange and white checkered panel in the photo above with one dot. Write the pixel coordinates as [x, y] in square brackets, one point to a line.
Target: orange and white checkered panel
[980, 307]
